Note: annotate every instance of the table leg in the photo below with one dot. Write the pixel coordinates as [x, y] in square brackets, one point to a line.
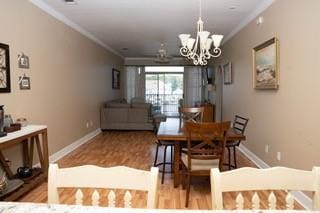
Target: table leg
[176, 174]
[45, 151]
[41, 156]
[5, 166]
[25, 149]
[31, 152]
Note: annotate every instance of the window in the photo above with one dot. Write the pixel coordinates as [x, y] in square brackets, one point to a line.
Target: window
[164, 88]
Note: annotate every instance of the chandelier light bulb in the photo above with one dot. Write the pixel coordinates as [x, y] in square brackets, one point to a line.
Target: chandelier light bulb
[190, 43]
[184, 39]
[217, 40]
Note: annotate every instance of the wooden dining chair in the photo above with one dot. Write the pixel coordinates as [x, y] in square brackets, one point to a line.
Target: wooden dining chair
[190, 114]
[253, 179]
[89, 176]
[239, 124]
[206, 153]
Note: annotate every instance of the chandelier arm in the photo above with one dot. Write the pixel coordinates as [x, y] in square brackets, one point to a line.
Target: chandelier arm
[184, 51]
[216, 52]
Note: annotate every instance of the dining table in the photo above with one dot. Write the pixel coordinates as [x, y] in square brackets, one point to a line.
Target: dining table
[172, 130]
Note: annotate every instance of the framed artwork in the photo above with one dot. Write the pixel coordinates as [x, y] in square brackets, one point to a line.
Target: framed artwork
[25, 83]
[5, 85]
[23, 61]
[227, 73]
[115, 79]
[266, 65]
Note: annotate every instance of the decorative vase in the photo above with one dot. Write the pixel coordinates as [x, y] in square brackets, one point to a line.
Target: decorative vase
[7, 121]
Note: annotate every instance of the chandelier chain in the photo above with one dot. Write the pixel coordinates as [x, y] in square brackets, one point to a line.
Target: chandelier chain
[200, 9]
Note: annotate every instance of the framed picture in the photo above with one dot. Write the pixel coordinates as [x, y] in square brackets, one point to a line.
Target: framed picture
[5, 85]
[23, 61]
[115, 79]
[24, 83]
[227, 73]
[265, 65]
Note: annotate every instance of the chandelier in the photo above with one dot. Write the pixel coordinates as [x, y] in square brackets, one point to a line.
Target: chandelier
[198, 49]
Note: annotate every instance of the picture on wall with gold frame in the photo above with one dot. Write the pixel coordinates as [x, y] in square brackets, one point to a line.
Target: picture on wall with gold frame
[266, 65]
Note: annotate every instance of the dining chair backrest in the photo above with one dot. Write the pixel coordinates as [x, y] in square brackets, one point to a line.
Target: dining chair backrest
[253, 179]
[210, 141]
[240, 123]
[191, 114]
[89, 176]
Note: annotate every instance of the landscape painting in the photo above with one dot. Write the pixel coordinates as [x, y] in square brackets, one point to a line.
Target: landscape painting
[265, 65]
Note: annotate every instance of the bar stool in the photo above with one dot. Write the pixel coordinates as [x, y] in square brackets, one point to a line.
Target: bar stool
[165, 144]
[239, 124]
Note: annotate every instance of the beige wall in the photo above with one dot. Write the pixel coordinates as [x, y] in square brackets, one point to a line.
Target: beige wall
[287, 119]
[70, 74]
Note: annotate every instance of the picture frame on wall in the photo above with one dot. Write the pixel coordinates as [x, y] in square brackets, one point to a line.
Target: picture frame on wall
[266, 65]
[227, 73]
[115, 79]
[24, 83]
[5, 84]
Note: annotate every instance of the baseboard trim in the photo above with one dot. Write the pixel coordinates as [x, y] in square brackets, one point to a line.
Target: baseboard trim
[255, 159]
[66, 150]
[299, 196]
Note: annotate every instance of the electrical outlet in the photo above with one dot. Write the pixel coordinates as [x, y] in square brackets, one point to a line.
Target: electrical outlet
[266, 148]
[279, 156]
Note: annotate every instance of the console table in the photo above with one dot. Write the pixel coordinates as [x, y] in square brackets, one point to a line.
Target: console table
[28, 136]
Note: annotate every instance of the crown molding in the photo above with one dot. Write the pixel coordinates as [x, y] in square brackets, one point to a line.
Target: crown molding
[49, 10]
[262, 7]
[151, 58]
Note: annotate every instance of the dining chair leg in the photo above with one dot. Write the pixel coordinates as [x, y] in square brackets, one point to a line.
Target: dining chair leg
[229, 158]
[156, 156]
[188, 189]
[171, 158]
[164, 163]
[184, 178]
[234, 157]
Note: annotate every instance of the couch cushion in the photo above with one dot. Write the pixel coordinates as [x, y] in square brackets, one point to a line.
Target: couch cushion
[117, 105]
[116, 115]
[141, 105]
[138, 100]
[146, 106]
[138, 115]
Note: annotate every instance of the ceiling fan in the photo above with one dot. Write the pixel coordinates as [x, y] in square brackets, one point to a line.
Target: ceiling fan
[162, 56]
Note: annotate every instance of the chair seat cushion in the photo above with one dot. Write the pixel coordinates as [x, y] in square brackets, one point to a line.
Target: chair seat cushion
[197, 164]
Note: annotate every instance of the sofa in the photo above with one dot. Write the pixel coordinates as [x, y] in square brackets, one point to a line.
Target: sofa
[120, 115]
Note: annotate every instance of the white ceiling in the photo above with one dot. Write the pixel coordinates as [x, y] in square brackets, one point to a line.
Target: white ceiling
[142, 25]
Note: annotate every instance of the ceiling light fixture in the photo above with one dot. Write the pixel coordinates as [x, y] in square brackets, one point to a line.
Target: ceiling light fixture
[162, 55]
[198, 49]
[70, 2]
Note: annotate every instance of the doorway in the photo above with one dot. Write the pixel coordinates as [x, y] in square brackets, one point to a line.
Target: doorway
[164, 89]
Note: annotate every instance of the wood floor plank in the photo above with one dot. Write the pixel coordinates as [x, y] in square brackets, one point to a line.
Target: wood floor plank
[137, 149]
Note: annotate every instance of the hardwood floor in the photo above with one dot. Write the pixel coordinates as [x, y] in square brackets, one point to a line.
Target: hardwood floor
[137, 149]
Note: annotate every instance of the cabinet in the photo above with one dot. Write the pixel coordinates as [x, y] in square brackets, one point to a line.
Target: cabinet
[208, 115]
